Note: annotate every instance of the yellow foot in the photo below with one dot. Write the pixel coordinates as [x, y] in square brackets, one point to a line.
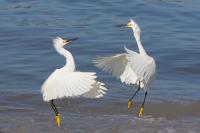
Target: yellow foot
[141, 112]
[130, 104]
[57, 120]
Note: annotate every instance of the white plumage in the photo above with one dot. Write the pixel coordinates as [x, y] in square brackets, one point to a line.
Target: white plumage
[67, 82]
[130, 67]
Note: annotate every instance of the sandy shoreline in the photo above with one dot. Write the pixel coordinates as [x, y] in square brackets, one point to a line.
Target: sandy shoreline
[28, 113]
[31, 102]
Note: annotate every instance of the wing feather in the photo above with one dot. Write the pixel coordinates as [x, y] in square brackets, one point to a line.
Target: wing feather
[71, 84]
[97, 91]
[130, 67]
[144, 67]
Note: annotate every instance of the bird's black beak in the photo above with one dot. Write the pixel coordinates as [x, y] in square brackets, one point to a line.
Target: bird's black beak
[121, 25]
[67, 41]
[72, 39]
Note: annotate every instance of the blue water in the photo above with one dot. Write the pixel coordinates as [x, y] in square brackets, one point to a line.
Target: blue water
[170, 33]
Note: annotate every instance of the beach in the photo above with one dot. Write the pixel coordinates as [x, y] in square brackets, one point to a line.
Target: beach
[169, 33]
[29, 114]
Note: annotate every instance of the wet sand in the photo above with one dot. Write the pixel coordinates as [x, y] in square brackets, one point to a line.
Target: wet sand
[28, 113]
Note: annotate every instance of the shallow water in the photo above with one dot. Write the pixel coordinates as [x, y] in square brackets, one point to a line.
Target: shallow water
[26, 113]
[170, 33]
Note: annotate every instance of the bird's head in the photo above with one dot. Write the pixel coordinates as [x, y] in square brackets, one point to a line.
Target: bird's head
[131, 24]
[59, 42]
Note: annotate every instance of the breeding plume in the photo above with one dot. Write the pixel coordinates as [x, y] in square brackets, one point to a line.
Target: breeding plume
[67, 82]
[136, 68]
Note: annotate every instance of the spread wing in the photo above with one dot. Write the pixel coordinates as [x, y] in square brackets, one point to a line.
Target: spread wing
[71, 84]
[118, 66]
[130, 67]
[97, 91]
[144, 67]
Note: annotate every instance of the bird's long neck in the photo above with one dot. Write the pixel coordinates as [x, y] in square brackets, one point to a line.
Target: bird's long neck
[70, 65]
[139, 43]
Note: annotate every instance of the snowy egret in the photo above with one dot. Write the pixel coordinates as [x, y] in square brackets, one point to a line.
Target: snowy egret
[67, 82]
[131, 67]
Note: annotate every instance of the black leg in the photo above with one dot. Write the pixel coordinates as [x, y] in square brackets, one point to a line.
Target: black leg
[54, 107]
[144, 99]
[130, 102]
[141, 112]
[135, 93]
[57, 117]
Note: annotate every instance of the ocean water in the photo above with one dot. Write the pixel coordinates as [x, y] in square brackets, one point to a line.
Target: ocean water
[170, 33]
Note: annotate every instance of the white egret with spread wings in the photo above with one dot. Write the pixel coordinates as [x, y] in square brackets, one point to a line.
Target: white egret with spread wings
[67, 82]
[132, 67]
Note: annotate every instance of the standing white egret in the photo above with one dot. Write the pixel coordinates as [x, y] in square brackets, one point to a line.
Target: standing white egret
[67, 82]
[131, 67]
